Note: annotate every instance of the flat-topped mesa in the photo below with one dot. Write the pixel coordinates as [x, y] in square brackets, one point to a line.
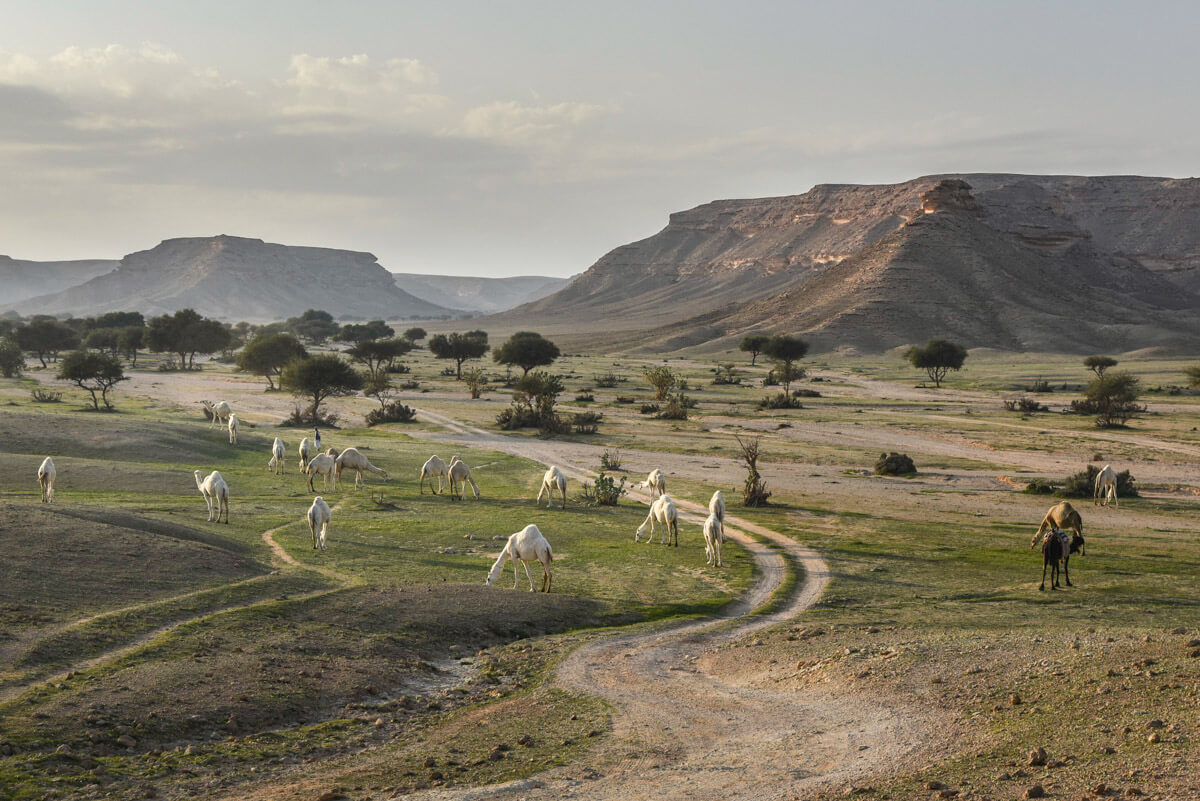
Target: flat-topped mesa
[950, 194]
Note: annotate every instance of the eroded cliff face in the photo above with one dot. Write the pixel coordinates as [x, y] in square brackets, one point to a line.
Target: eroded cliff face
[236, 278]
[1009, 261]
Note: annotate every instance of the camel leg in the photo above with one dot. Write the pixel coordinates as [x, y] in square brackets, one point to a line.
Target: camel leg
[545, 577]
[1045, 563]
[312, 527]
[1067, 570]
[516, 573]
[528, 575]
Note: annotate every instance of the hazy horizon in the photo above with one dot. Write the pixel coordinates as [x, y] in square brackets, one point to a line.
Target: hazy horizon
[474, 139]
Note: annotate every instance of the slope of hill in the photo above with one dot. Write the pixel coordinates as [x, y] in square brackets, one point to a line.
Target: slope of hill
[21, 279]
[1004, 261]
[233, 278]
[479, 295]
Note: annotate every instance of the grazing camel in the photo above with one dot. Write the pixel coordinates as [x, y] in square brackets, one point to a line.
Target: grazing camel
[218, 412]
[307, 452]
[554, 479]
[1062, 516]
[460, 475]
[1058, 547]
[46, 474]
[278, 455]
[656, 482]
[661, 511]
[433, 466]
[233, 429]
[216, 494]
[1106, 487]
[716, 506]
[319, 515]
[714, 532]
[524, 546]
[321, 465]
[352, 459]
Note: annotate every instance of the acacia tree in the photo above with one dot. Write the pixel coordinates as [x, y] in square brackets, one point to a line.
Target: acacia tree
[317, 379]
[1113, 399]
[754, 345]
[314, 326]
[1098, 364]
[267, 355]
[12, 358]
[186, 333]
[357, 333]
[786, 351]
[415, 334]
[526, 349]
[377, 355]
[46, 337]
[93, 371]
[476, 380]
[459, 347]
[661, 378]
[108, 339]
[130, 340]
[937, 358]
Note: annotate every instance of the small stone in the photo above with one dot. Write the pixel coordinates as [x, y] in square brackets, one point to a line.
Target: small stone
[1154, 737]
[1037, 757]
[1014, 700]
[1100, 789]
[430, 762]
[947, 793]
[1156, 724]
[1192, 643]
[1179, 630]
[126, 741]
[1036, 791]
[1108, 749]
[63, 749]
[1134, 791]
[378, 723]
[495, 755]
[934, 785]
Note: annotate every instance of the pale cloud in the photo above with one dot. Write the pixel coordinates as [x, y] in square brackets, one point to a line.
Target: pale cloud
[515, 123]
[357, 75]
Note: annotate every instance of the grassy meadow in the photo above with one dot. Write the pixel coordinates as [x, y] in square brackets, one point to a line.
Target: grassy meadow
[125, 614]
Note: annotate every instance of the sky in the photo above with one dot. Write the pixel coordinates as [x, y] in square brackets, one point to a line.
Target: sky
[530, 138]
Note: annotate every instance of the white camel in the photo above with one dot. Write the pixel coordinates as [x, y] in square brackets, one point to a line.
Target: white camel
[307, 452]
[233, 429]
[716, 506]
[352, 459]
[321, 465]
[46, 474]
[216, 494]
[554, 479]
[219, 412]
[332, 451]
[714, 532]
[278, 456]
[319, 515]
[662, 511]
[656, 482]
[1106, 487]
[434, 466]
[525, 546]
[460, 475]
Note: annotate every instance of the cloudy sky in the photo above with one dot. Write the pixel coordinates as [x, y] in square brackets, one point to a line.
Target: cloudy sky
[503, 138]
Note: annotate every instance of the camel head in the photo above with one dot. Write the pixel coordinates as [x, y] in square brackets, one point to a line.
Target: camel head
[1077, 545]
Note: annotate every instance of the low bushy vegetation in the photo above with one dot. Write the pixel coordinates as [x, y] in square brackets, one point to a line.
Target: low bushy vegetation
[392, 412]
[45, 396]
[1083, 484]
[1040, 486]
[649, 408]
[1025, 405]
[587, 422]
[606, 380]
[610, 460]
[894, 464]
[605, 492]
[676, 407]
[780, 400]
[585, 396]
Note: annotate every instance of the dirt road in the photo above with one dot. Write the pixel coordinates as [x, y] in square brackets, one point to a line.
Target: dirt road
[680, 732]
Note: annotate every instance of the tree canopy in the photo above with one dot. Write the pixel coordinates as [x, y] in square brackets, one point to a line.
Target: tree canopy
[1113, 399]
[93, 371]
[267, 355]
[356, 333]
[314, 326]
[377, 355]
[415, 334]
[526, 349]
[46, 337]
[459, 347]
[786, 350]
[1098, 364]
[318, 378]
[754, 344]
[661, 378]
[936, 358]
[186, 333]
[12, 358]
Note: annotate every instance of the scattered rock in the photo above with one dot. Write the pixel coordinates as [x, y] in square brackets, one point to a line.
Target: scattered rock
[1037, 758]
[1134, 791]
[1193, 643]
[525, 740]
[1154, 737]
[430, 762]
[1179, 630]
[1100, 789]
[378, 723]
[1108, 749]
[947, 793]
[934, 785]
[1014, 700]
[495, 755]
[1156, 724]
[63, 749]
[1036, 791]
[126, 741]
[331, 795]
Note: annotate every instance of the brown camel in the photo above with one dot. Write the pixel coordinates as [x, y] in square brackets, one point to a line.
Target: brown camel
[1061, 516]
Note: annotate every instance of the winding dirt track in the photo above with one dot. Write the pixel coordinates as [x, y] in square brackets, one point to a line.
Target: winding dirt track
[679, 732]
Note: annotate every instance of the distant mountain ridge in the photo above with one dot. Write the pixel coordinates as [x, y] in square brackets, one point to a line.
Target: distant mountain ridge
[236, 278]
[21, 279]
[1017, 262]
[479, 295]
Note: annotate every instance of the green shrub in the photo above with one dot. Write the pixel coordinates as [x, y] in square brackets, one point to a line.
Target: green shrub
[1083, 484]
[780, 400]
[605, 492]
[606, 381]
[1025, 405]
[1040, 486]
[649, 408]
[393, 412]
[676, 407]
[610, 460]
[587, 422]
[894, 464]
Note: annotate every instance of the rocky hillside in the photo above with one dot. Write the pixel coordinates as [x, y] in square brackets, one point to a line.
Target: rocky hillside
[20, 279]
[234, 278]
[479, 295]
[1007, 261]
